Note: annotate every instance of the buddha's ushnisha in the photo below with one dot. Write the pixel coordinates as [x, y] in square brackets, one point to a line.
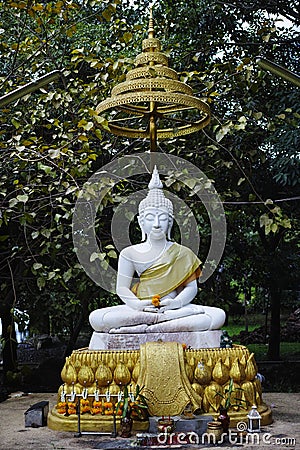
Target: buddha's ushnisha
[168, 273]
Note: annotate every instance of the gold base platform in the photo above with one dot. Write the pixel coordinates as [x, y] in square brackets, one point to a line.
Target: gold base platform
[88, 422]
[174, 379]
[105, 424]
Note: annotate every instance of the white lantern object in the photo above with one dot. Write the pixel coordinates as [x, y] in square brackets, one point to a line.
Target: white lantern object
[254, 420]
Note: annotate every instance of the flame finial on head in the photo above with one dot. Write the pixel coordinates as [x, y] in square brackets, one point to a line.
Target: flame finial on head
[155, 197]
[155, 180]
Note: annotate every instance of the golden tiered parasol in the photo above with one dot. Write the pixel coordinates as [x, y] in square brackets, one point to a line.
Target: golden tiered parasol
[152, 103]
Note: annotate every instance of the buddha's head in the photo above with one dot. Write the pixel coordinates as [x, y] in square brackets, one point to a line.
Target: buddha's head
[155, 211]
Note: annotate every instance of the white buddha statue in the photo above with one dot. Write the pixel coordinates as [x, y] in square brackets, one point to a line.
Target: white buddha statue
[161, 300]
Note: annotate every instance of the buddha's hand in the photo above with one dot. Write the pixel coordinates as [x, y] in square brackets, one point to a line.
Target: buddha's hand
[138, 305]
[169, 303]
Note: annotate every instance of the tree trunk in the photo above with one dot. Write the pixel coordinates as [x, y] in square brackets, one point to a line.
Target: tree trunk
[9, 351]
[247, 300]
[74, 335]
[78, 326]
[266, 323]
[274, 343]
[270, 245]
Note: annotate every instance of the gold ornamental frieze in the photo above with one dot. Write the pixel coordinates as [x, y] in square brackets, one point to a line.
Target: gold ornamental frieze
[146, 58]
[182, 101]
[151, 72]
[151, 85]
[151, 43]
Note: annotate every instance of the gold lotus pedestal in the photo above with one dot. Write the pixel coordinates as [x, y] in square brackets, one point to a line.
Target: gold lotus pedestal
[173, 378]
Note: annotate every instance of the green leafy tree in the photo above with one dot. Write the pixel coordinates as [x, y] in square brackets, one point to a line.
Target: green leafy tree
[50, 144]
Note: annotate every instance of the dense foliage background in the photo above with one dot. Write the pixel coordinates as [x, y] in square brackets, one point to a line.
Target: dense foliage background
[51, 142]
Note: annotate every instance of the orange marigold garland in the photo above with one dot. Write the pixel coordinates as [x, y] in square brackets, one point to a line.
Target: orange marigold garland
[135, 410]
[108, 408]
[119, 409]
[72, 408]
[84, 406]
[61, 407]
[138, 412]
[97, 407]
[156, 301]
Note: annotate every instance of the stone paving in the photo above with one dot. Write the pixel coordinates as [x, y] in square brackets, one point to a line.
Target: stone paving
[284, 433]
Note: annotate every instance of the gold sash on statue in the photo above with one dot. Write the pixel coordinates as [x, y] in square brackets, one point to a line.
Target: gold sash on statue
[174, 269]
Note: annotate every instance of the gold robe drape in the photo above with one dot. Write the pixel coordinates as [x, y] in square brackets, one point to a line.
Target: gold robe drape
[174, 269]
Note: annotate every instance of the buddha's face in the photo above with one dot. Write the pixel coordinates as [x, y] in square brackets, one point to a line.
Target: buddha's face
[155, 222]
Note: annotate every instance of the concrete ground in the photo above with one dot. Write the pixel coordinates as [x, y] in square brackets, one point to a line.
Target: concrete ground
[284, 433]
